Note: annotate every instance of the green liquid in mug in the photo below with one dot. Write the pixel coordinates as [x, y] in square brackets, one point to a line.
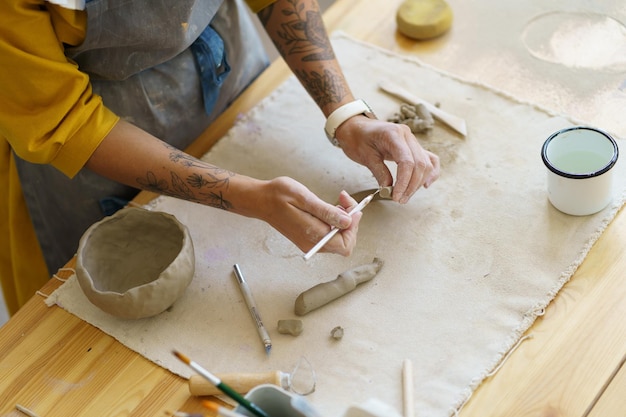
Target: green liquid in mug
[580, 162]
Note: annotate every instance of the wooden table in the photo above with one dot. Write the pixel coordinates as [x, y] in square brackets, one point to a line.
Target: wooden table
[57, 365]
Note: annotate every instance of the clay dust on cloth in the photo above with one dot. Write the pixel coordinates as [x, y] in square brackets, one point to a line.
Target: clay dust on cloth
[468, 263]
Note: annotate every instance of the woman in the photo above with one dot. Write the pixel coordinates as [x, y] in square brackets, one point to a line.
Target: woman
[118, 87]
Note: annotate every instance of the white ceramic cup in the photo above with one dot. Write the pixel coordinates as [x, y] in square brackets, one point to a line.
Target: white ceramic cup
[579, 161]
[275, 401]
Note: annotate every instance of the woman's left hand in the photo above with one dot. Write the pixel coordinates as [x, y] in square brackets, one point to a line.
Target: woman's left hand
[370, 142]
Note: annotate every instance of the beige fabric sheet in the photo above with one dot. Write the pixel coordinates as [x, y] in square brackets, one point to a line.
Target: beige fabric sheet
[469, 262]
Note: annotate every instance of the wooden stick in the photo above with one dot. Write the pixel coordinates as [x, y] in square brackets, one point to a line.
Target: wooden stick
[407, 388]
[25, 410]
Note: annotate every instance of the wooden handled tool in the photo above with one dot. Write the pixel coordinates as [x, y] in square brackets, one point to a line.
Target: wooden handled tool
[240, 382]
[451, 120]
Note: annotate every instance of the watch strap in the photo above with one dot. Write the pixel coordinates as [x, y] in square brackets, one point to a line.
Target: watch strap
[343, 113]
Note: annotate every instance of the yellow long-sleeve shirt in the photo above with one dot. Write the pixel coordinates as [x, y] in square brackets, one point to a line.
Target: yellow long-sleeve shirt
[48, 115]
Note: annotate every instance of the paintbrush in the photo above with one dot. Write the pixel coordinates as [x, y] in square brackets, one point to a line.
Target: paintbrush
[248, 405]
[334, 230]
[221, 411]
[184, 414]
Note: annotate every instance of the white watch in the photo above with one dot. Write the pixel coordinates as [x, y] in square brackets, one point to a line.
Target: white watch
[343, 113]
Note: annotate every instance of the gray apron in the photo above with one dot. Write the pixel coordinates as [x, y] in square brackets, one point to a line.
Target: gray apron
[139, 57]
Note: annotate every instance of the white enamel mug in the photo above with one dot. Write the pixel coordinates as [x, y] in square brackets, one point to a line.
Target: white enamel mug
[277, 402]
[579, 161]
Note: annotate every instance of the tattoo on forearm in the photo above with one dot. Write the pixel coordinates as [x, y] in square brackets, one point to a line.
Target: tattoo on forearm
[184, 189]
[182, 158]
[196, 181]
[213, 177]
[302, 33]
[151, 183]
[216, 200]
[181, 189]
[325, 87]
[213, 181]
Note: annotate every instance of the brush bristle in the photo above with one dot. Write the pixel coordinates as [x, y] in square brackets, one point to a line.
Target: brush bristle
[210, 405]
[181, 357]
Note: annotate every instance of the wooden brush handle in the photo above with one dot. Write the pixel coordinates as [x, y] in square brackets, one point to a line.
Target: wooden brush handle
[240, 382]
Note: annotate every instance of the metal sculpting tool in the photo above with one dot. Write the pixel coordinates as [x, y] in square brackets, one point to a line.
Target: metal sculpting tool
[334, 230]
[247, 404]
[254, 311]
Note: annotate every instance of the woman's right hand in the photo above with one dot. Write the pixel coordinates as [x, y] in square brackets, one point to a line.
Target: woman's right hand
[302, 217]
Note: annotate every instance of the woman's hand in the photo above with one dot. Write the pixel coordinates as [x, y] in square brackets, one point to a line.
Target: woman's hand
[370, 142]
[304, 218]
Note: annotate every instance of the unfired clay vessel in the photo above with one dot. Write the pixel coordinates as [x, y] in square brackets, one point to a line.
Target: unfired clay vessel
[136, 263]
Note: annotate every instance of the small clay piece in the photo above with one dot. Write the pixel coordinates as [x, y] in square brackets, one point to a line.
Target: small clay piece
[415, 116]
[337, 333]
[292, 326]
[345, 282]
[424, 19]
[386, 192]
[383, 194]
[135, 263]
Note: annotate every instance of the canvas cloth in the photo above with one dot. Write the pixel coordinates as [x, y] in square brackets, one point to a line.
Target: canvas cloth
[469, 262]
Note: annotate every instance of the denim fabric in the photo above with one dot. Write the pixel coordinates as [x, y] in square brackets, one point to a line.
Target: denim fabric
[146, 72]
[210, 56]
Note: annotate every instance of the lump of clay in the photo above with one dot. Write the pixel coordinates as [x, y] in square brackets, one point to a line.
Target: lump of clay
[415, 116]
[345, 282]
[384, 193]
[135, 263]
[293, 327]
[337, 333]
[424, 19]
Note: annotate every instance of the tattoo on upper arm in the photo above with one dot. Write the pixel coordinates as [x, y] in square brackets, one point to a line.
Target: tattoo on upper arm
[302, 33]
[264, 14]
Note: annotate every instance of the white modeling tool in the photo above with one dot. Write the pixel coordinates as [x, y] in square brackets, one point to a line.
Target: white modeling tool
[334, 230]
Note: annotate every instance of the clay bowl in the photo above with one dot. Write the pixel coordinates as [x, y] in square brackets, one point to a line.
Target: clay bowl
[135, 263]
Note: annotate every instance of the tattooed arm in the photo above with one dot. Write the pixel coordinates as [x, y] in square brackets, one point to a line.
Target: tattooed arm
[134, 157]
[297, 30]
